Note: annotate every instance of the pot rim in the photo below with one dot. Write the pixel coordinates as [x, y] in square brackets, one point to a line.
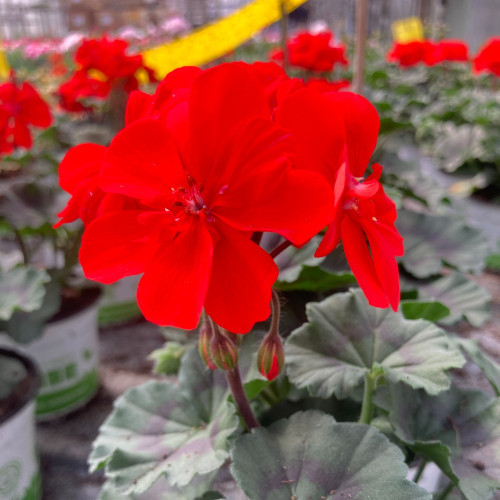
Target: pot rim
[95, 293]
[32, 370]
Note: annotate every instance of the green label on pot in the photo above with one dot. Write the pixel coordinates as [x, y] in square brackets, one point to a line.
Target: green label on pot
[83, 390]
[19, 475]
[67, 354]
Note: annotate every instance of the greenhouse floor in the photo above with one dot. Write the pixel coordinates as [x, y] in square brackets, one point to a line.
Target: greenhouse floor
[65, 444]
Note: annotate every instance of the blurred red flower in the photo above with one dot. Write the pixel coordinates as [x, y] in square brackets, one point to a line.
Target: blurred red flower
[73, 92]
[336, 134]
[313, 52]
[488, 57]
[412, 53]
[449, 50]
[20, 107]
[103, 64]
[205, 174]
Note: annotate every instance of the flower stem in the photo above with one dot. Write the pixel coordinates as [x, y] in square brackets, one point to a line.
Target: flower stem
[367, 405]
[240, 398]
[420, 470]
[446, 492]
[22, 246]
[280, 248]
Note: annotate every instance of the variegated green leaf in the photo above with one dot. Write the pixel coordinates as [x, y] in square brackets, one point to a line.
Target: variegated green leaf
[459, 430]
[21, 289]
[198, 489]
[160, 429]
[461, 296]
[431, 241]
[490, 369]
[345, 338]
[312, 456]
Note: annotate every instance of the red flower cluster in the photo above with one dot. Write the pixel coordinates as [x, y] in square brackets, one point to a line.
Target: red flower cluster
[208, 160]
[102, 65]
[488, 57]
[428, 52]
[313, 52]
[20, 107]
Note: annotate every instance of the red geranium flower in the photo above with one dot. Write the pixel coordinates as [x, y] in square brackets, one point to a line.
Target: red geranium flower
[449, 50]
[20, 107]
[488, 57]
[412, 53]
[208, 174]
[336, 134]
[323, 86]
[278, 85]
[79, 87]
[79, 175]
[313, 52]
[103, 64]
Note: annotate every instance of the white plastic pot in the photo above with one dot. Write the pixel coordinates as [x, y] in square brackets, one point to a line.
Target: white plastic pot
[19, 470]
[68, 356]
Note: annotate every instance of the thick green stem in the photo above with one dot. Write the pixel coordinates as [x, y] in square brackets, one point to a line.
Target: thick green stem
[420, 470]
[240, 398]
[367, 406]
[446, 492]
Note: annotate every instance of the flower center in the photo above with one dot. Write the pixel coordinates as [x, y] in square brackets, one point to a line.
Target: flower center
[191, 201]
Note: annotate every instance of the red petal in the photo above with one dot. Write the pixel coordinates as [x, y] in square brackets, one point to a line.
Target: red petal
[34, 109]
[296, 204]
[80, 163]
[142, 162]
[361, 263]
[317, 130]
[138, 106]
[362, 124]
[22, 135]
[333, 233]
[174, 88]
[239, 294]
[220, 99]
[173, 288]
[116, 245]
[386, 266]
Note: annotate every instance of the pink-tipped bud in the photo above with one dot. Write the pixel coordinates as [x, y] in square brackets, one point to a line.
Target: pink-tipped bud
[206, 334]
[224, 351]
[271, 356]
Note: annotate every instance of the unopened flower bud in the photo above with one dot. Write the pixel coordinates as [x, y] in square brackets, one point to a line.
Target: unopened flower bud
[224, 351]
[206, 334]
[271, 356]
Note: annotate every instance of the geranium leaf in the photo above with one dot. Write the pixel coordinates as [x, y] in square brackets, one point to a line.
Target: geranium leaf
[315, 279]
[22, 289]
[160, 429]
[24, 326]
[463, 297]
[459, 430]
[291, 260]
[161, 490]
[300, 270]
[488, 366]
[346, 337]
[431, 311]
[431, 241]
[312, 456]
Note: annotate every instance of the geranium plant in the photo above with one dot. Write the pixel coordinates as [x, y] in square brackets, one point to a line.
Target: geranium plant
[186, 195]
